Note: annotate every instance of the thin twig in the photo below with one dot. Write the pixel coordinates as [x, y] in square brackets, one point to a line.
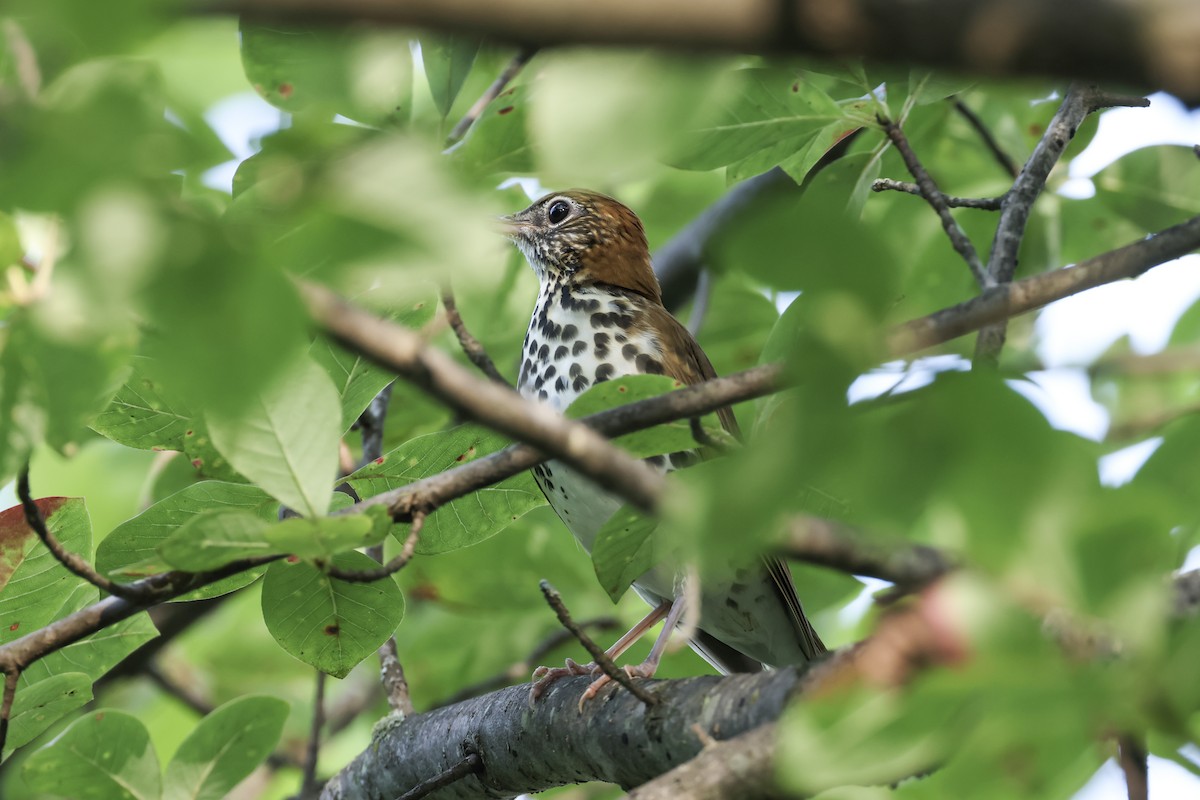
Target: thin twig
[933, 195]
[982, 203]
[397, 563]
[74, 563]
[1001, 155]
[597, 652]
[310, 787]
[519, 671]
[470, 764]
[835, 545]
[703, 437]
[1131, 755]
[506, 75]
[10, 692]
[470, 345]
[395, 683]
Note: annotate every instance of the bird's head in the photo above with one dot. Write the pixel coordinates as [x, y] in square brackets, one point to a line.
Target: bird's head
[583, 237]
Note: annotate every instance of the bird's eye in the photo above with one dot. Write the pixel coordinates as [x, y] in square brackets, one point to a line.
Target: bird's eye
[559, 210]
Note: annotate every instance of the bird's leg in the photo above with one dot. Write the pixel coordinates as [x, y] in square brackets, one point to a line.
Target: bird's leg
[544, 676]
[647, 668]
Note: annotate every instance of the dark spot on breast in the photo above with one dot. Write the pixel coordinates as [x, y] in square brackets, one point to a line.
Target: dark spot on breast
[570, 332]
[552, 329]
[648, 365]
[542, 395]
[600, 320]
[579, 346]
[580, 383]
[731, 602]
[543, 352]
[541, 380]
[624, 320]
[622, 338]
[532, 347]
[550, 372]
[629, 351]
[575, 371]
[592, 305]
[683, 459]
[601, 340]
[604, 372]
[560, 385]
[560, 352]
[655, 461]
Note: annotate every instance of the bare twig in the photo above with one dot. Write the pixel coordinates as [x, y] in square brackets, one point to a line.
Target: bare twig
[471, 346]
[506, 75]
[702, 436]
[397, 348]
[1018, 201]
[519, 670]
[601, 658]
[1131, 755]
[74, 563]
[10, 692]
[395, 683]
[1001, 155]
[309, 787]
[933, 195]
[469, 765]
[982, 203]
[397, 562]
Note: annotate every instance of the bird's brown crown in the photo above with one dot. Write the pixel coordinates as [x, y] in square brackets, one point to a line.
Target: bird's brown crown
[585, 237]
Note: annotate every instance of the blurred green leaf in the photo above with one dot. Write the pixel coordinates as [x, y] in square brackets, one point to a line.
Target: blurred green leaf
[324, 537]
[104, 755]
[498, 142]
[328, 623]
[624, 550]
[37, 707]
[1154, 187]
[461, 522]
[287, 441]
[143, 414]
[670, 437]
[224, 748]
[214, 538]
[448, 61]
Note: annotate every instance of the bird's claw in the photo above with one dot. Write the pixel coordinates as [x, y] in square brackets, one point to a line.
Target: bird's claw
[544, 676]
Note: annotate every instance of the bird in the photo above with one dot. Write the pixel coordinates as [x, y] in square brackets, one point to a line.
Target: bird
[599, 315]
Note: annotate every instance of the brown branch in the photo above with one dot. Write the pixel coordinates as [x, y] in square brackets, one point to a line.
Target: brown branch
[405, 352]
[397, 563]
[74, 564]
[832, 544]
[469, 765]
[471, 346]
[518, 672]
[982, 203]
[606, 664]
[10, 693]
[1018, 201]
[491, 93]
[309, 788]
[999, 153]
[1137, 44]
[1145, 425]
[1131, 755]
[395, 682]
[1009, 300]
[937, 200]
[741, 767]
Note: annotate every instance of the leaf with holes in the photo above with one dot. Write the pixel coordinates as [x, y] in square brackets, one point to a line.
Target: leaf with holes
[225, 747]
[143, 414]
[464, 521]
[330, 624]
[106, 755]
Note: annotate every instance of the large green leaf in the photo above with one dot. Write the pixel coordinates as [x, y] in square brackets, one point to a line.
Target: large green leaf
[106, 755]
[624, 550]
[224, 748]
[499, 140]
[1154, 187]
[94, 655]
[464, 521]
[214, 538]
[287, 440]
[40, 705]
[328, 623]
[448, 61]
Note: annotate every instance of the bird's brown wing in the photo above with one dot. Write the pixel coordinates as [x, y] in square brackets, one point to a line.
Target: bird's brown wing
[686, 362]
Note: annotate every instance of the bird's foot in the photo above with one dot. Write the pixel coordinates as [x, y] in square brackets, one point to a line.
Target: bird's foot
[644, 670]
[543, 677]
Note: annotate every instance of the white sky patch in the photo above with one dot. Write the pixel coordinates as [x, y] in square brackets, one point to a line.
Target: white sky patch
[241, 121]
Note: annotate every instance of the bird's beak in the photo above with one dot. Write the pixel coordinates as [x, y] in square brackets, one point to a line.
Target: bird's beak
[512, 225]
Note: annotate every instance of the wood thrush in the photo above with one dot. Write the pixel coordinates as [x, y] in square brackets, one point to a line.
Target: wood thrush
[600, 315]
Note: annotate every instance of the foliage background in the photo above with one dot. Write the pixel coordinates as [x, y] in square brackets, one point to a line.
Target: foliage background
[154, 257]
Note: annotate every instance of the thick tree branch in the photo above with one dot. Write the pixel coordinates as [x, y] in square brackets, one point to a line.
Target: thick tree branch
[1145, 44]
[738, 768]
[406, 352]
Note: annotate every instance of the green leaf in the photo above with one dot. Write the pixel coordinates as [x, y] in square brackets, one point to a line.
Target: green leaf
[669, 437]
[37, 707]
[287, 440]
[330, 624]
[106, 755]
[624, 550]
[38, 584]
[323, 537]
[1154, 187]
[98, 653]
[464, 521]
[131, 550]
[499, 140]
[143, 414]
[448, 61]
[357, 379]
[224, 748]
[214, 538]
